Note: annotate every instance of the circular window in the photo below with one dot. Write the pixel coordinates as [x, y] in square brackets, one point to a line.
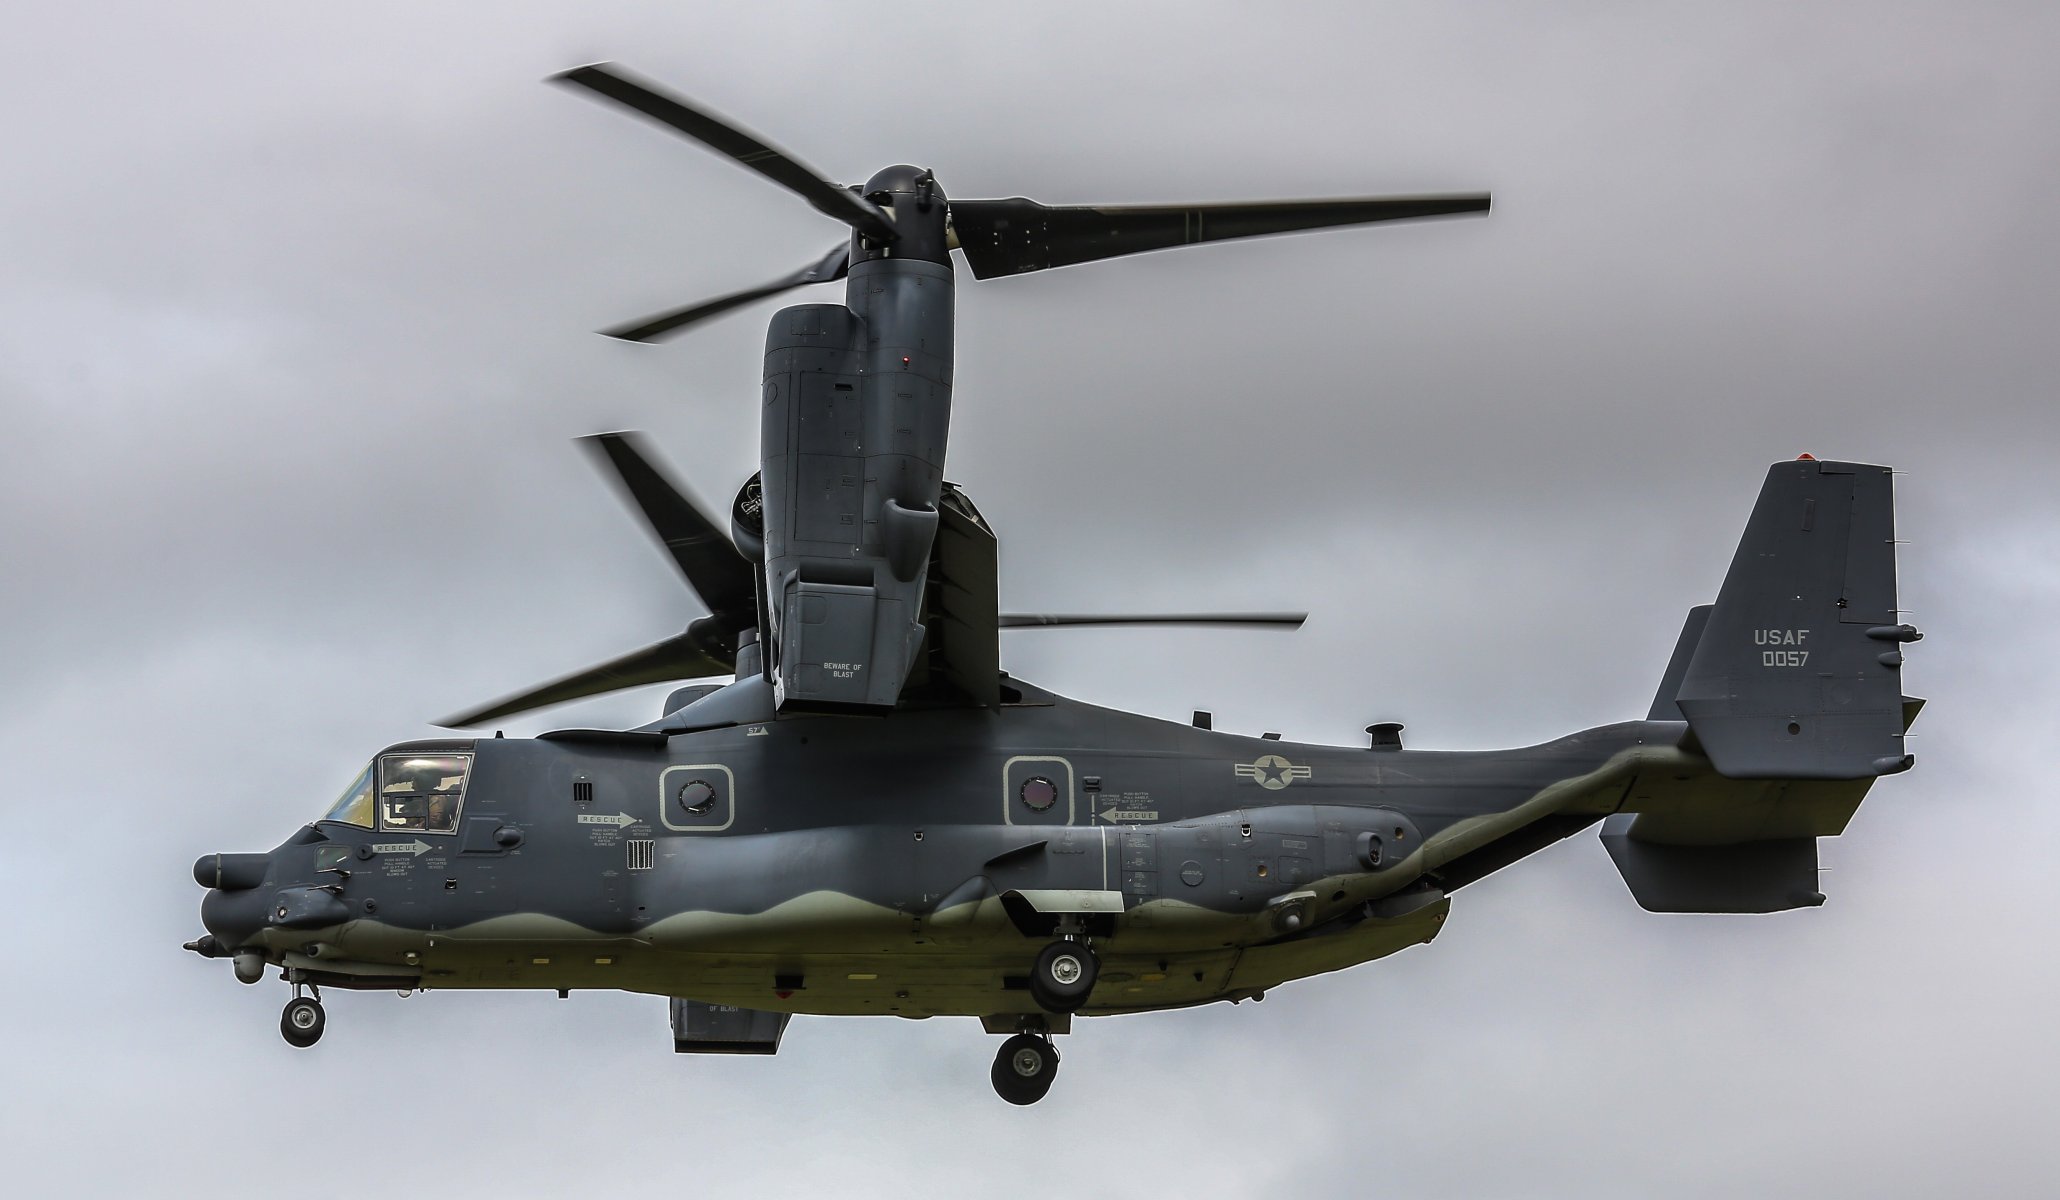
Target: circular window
[1039, 793]
[697, 797]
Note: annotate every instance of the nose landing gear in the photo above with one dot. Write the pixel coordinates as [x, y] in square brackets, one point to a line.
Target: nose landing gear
[1024, 1068]
[302, 1022]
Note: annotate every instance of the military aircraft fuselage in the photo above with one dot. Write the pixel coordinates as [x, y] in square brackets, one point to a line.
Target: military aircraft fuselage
[873, 819]
[811, 865]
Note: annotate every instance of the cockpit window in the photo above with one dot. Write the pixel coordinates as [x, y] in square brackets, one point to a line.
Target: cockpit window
[354, 807]
[422, 792]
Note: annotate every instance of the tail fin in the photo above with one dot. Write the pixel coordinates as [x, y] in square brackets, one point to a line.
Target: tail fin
[1791, 686]
[1797, 672]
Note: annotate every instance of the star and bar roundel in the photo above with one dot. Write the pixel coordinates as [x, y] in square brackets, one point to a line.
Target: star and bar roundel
[1272, 772]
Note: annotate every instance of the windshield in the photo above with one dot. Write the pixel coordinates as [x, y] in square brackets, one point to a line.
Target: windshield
[354, 807]
[422, 792]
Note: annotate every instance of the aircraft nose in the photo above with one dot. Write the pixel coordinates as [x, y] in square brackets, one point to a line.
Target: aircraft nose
[233, 917]
[234, 909]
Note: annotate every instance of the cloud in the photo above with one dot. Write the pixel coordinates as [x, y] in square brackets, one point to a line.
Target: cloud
[291, 351]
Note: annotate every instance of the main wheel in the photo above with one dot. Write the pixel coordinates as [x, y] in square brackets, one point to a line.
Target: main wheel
[1063, 976]
[1024, 1069]
[301, 1024]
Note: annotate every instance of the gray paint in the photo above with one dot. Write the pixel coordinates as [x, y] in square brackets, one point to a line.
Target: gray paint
[1798, 672]
[766, 861]
[1754, 877]
[1721, 238]
[857, 407]
[758, 866]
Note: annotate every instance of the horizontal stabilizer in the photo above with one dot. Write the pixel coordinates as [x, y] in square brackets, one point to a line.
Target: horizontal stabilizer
[1748, 877]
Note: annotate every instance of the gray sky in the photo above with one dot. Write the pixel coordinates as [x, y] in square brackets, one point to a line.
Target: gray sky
[293, 339]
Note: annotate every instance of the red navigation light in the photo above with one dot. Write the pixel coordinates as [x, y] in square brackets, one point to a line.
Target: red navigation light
[1805, 456]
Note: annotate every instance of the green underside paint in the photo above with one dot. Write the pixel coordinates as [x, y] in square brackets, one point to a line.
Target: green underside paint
[856, 958]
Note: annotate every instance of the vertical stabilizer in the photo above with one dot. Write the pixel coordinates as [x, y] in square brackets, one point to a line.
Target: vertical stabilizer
[1797, 674]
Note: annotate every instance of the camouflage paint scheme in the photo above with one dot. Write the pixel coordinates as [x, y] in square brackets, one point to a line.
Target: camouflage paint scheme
[874, 820]
[843, 864]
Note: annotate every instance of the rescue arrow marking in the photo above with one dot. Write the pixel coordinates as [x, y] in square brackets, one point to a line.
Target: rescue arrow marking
[618, 820]
[416, 848]
[1114, 815]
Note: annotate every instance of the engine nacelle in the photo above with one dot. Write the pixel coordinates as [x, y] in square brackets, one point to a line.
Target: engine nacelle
[852, 447]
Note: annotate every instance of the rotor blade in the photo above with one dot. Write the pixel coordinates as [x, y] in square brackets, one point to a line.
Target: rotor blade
[720, 576]
[612, 82]
[834, 265]
[1217, 620]
[1009, 237]
[674, 658]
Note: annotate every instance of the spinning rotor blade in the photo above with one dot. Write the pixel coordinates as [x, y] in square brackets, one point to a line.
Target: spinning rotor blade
[674, 658]
[1214, 620]
[1010, 237]
[717, 574]
[612, 82]
[834, 265]
[714, 571]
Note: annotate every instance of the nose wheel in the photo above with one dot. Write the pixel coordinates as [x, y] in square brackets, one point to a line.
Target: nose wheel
[302, 1022]
[1024, 1068]
[1063, 976]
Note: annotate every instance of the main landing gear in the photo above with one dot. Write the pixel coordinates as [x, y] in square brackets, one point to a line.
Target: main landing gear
[1025, 1067]
[303, 1021]
[1061, 980]
[1064, 975]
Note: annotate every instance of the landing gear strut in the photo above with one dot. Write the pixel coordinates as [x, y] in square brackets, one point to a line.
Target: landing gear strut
[1025, 1067]
[1063, 976]
[302, 1022]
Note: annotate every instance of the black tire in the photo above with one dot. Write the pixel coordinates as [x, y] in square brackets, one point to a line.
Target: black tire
[1024, 1068]
[1063, 976]
[302, 1022]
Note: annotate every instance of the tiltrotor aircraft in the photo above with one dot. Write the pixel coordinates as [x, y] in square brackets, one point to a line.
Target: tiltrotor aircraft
[874, 819]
